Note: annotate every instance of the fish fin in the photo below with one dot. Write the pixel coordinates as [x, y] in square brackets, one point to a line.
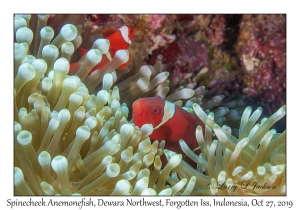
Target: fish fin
[82, 51]
[124, 65]
[107, 32]
[71, 67]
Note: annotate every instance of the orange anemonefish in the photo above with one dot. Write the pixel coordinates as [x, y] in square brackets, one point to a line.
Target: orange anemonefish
[170, 122]
[119, 40]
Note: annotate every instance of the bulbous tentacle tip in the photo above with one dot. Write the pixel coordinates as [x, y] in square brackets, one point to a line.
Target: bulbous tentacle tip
[68, 32]
[102, 45]
[59, 164]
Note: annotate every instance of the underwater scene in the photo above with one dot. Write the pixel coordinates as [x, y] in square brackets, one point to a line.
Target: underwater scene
[149, 104]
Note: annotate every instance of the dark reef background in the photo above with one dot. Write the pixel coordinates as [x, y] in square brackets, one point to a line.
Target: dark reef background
[245, 54]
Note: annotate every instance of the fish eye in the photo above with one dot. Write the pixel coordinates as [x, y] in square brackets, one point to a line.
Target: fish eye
[155, 111]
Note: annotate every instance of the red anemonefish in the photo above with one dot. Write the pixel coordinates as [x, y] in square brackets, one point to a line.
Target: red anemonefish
[119, 40]
[170, 122]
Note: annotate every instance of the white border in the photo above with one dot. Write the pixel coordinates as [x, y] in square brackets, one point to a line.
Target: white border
[8, 8]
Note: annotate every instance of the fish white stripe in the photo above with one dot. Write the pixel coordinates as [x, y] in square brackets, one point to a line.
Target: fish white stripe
[108, 55]
[169, 112]
[124, 32]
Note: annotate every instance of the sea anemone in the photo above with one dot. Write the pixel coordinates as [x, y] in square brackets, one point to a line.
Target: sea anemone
[70, 142]
[73, 135]
[252, 164]
[83, 145]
